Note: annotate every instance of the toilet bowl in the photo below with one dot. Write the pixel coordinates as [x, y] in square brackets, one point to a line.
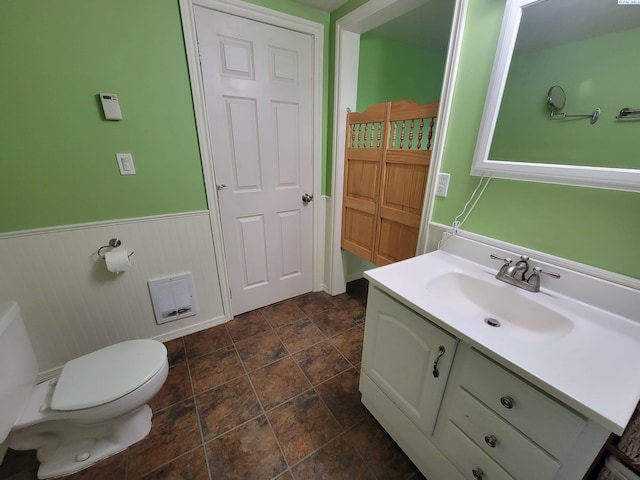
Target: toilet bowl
[94, 409]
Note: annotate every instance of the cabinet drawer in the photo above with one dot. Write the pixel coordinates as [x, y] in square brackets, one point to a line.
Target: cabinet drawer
[548, 423]
[467, 457]
[507, 446]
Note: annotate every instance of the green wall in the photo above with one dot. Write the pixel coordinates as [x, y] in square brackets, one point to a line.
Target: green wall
[592, 226]
[390, 70]
[589, 72]
[58, 154]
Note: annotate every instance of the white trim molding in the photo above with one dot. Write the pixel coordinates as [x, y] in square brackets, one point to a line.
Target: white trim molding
[272, 17]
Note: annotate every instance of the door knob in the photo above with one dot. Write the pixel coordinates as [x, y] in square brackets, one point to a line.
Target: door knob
[220, 186]
[306, 198]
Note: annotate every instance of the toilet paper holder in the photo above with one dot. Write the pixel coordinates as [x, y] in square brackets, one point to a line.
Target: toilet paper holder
[113, 243]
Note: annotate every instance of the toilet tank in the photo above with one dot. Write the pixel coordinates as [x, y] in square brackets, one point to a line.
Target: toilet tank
[18, 367]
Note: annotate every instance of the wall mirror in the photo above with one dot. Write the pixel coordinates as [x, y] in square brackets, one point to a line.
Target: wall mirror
[587, 47]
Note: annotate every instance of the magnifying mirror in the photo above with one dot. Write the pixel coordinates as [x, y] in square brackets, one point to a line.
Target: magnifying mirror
[556, 99]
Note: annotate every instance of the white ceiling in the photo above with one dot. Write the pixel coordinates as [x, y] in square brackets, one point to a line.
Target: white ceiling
[427, 26]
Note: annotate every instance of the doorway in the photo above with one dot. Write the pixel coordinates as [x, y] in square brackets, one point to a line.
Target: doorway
[348, 30]
[245, 270]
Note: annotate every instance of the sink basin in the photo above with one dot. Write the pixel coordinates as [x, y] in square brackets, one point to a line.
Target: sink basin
[499, 305]
[578, 339]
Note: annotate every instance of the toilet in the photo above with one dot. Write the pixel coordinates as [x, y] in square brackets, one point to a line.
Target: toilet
[95, 408]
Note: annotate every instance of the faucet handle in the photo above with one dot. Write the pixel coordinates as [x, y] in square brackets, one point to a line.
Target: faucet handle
[507, 261]
[538, 270]
[534, 278]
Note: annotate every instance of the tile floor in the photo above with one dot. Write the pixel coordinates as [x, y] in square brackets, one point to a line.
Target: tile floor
[273, 394]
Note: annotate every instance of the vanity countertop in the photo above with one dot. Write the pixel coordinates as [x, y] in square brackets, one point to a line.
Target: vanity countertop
[593, 366]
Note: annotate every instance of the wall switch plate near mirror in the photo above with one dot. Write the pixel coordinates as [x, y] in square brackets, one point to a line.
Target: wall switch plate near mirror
[545, 43]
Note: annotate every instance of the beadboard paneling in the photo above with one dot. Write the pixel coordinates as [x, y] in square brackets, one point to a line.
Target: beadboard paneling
[72, 305]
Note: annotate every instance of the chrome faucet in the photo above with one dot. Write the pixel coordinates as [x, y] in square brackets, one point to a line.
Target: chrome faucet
[516, 274]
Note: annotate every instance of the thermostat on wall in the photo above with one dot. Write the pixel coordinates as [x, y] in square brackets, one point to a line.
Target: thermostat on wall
[111, 106]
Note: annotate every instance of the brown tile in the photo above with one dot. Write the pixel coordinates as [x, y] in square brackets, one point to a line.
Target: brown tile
[215, 369]
[175, 351]
[207, 341]
[177, 387]
[320, 362]
[334, 321]
[341, 395]
[111, 467]
[349, 343]
[285, 476]
[303, 425]
[300, 334]
[314, 302]
[226, 407]
[261, 349]
[279, 382]
[283, 313]
[336, 461]
[174, 431]
[191, 466]
[384, 456]
[248, 452]
[247, 324]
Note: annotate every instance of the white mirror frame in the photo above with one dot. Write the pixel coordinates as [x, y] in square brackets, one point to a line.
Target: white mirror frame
[599, 177]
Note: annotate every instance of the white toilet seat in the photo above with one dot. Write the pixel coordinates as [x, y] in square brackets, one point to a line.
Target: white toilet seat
[38, 409]
[107, 374]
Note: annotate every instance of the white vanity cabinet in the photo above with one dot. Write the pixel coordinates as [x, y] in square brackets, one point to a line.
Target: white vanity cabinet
[474, 419]
[407, 357]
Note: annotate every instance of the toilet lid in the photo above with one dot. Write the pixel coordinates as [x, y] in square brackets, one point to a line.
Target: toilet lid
[107, 374]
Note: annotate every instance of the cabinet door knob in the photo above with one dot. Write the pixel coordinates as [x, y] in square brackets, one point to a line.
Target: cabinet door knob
[478, 474]
[507, 401]
[441, 352]
[491, 440]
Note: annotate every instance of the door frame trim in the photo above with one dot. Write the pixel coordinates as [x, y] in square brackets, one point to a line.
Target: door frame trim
[278, 19]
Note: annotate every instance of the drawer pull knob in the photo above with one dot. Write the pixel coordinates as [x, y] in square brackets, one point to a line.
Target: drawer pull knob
[507, 402]
[478, 474]
[441, 352]
[491, 440]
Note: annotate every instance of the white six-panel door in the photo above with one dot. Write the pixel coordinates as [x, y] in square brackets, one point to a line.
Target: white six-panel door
[258, 83]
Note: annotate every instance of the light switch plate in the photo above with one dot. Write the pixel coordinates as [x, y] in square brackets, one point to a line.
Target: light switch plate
[125, 163]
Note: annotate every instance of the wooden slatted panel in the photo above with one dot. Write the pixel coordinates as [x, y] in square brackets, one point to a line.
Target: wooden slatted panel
[404, 179]
[362, 173]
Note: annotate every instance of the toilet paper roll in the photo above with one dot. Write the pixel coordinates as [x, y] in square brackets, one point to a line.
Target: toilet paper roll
[118, 260]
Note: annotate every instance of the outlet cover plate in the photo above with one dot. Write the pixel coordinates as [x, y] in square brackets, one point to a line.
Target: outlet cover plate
[442, 185]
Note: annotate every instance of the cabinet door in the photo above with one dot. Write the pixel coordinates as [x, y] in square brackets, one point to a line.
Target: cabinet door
[407, 357]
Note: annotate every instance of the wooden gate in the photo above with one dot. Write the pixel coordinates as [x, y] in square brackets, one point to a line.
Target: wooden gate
[388, 152]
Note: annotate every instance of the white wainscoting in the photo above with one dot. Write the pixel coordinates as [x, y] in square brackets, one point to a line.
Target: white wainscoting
[72, 305]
